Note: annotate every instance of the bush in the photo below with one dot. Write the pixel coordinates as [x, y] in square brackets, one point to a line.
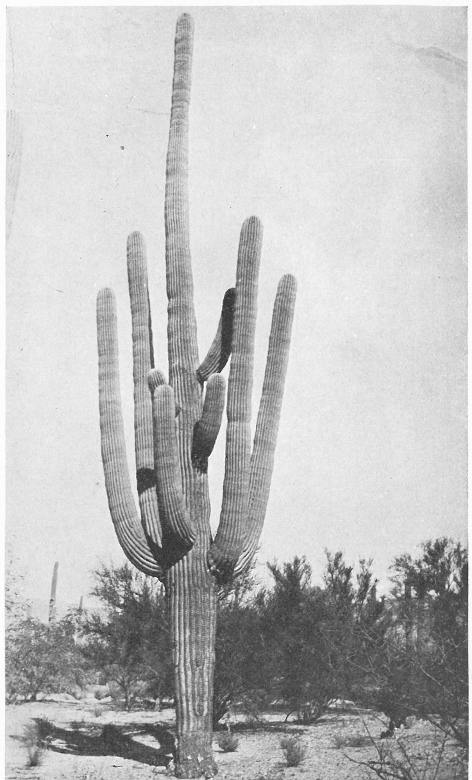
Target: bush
[45, 728]
[41, 658]
[294, 751]
[399, 759]
[36, 738]
[228, 742]
[127, 641]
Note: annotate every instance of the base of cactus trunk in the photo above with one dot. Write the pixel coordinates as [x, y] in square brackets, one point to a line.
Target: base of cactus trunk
[194, 756]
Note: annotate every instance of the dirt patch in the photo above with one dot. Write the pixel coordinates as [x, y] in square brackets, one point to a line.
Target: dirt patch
[93, 743]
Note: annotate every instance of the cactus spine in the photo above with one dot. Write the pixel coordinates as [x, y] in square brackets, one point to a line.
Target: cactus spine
[176, 425]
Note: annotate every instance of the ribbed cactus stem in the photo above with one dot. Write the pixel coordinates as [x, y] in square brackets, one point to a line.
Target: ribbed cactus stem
[120, 498]
[220, 349]
[226, 548]
[143, 361]
[52, 598]
[176, 525]
[207, 428]
[265, 438]
[182, 326]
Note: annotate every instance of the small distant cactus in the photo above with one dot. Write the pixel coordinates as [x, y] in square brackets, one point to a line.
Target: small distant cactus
[52, 598]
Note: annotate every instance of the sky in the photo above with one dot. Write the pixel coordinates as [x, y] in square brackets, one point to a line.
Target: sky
[344, 129]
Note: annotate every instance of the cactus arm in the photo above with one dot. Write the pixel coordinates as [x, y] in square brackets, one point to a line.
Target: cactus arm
[143, 361]
[181, 326]
[265, 438]
[120, 498]
[177, 530]
[226, 548]
[220, 349]
[206, 429]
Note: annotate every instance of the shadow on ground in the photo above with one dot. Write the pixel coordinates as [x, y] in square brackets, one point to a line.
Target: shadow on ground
[93, 740]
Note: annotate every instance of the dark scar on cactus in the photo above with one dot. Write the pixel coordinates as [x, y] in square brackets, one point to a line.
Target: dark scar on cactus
[222, 572]
[145, 479]
[173, 549]
[202, 448]
[227, 315]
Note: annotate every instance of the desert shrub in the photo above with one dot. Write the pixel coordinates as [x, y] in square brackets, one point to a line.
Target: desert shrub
[45, 728]
[295, 751]
[419, 666]
[127, 641]
[398, 759]
[240, 653]
[36, 738]
[228, 742]
[351, 740]
[41, 658]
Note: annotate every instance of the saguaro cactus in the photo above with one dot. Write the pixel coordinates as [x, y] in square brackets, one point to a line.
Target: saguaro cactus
[52, 598]
[176, 425]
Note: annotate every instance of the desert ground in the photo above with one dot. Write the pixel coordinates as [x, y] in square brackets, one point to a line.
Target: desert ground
[94, 741]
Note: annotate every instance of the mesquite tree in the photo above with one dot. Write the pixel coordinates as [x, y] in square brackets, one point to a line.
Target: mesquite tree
[176, 425]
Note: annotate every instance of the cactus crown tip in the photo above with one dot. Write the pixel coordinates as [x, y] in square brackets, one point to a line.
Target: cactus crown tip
[104, 294]
[134, 236]
[253, 221]
[289, 280]
[185, 20]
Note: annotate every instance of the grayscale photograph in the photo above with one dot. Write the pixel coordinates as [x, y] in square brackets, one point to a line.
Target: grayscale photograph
[236, 392]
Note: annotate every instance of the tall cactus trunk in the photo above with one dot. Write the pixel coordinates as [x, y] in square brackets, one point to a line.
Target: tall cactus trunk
[176, 426]
[192, 601]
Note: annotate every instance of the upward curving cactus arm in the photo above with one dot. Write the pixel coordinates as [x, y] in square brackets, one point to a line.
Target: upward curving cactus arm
[207, 428]
[120, 498]
[226, 548]
[220, 349]
[143, 361]
[265, 438]
[182, 326]
[177, 530]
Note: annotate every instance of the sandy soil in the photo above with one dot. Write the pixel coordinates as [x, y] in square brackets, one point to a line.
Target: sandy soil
[137, 746]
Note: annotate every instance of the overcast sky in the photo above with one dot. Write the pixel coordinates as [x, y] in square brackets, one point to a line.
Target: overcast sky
[343, 128]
